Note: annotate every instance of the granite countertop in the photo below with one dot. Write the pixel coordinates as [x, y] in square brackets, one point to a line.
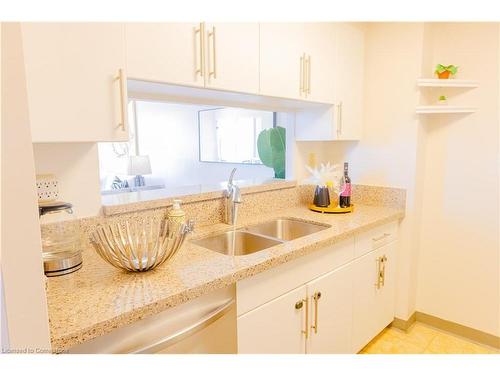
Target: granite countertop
[99, 298]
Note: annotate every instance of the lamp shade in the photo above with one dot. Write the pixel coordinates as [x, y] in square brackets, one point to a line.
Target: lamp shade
[138, 165]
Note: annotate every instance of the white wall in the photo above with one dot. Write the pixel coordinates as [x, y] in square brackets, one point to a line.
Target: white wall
[448, 260]
[459, 259]
[21, 267]
[76, 166]
[387, 153]
[4, 337]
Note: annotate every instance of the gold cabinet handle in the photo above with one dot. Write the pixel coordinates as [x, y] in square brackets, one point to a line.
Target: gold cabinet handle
[302, 75]
[340, 118]
[316, 298]
[200, 31]
[123, 99]
[308, 89]
[379, 275]
[298, 306]
[212, 35]
[383, 261]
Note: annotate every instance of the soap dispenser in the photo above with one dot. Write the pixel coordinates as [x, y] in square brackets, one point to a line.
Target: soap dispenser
[176, 216]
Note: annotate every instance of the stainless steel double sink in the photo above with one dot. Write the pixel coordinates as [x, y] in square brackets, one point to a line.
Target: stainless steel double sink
[253, 238]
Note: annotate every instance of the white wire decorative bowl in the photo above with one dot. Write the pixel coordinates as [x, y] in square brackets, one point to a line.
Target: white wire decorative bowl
[139, 246]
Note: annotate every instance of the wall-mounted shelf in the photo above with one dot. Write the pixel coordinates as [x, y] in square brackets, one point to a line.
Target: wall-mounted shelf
[443, 109]
[434, 82]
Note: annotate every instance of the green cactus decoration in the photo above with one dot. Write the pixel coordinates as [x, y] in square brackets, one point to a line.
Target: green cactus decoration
[271, 144]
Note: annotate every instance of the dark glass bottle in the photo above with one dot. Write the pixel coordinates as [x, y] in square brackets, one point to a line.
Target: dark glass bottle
[345, 195]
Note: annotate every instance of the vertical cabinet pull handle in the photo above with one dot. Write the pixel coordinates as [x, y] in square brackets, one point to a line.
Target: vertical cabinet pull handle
[302, 90]
[299, 306]
[377, 283]
[211, 35]
[306, 330]
[200, 31]
[381, 261]
[339, 119]
[309, 74]
[123, 99]
[316, 298]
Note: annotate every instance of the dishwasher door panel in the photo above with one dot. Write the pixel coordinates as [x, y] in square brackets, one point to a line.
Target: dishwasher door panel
[206, 324]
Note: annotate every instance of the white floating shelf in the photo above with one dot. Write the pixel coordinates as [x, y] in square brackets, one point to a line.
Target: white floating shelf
[430, 109]
[435, 82]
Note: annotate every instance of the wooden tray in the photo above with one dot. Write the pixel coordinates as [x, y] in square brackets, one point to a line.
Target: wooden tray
[331, 209]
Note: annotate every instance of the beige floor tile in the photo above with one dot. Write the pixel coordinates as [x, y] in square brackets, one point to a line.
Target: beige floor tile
[448, 344]
[418, 335]
[391, 345]
[423, 339]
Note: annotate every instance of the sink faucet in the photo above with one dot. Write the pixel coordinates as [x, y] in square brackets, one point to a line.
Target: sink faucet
[232, 198]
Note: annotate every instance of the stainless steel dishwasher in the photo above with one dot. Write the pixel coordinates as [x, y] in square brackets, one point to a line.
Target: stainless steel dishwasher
[204, 325]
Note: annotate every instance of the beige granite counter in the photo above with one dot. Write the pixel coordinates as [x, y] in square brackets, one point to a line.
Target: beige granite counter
[100, 298]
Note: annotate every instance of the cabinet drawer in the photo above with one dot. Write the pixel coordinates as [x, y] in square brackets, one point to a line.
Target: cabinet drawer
[375, 238]
[266, 286]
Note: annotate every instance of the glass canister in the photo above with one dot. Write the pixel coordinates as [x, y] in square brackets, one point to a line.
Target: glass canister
[61, 244]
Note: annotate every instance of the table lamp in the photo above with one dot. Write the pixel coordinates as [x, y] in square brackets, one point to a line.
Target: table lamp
[138, 165]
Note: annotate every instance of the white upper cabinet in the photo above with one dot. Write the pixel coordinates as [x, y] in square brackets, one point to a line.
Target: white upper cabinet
[344, 119]
[75, 93]
[297, 61]
[232, 56]
[166, 52]
[349, 80]
[319, 64]
[221, 55]
[282, 60]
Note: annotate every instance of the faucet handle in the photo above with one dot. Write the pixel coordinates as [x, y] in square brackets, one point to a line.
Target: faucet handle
[236, 194]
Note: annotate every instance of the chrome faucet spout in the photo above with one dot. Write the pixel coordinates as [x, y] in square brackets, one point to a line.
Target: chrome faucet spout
[231, 176]
[233, 198]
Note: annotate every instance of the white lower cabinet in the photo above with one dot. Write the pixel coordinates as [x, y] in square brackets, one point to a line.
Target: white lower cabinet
[315, 318]
[374, 294]
[323, 311]
[330, 312]
[275, 327]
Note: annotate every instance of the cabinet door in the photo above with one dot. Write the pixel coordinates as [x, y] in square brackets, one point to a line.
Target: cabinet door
[232, 57]
[349, 80]
[165, 52]
[373, 306]
[281, 49]
[319, 124]
[331, 312]
[71, 71]
[275, 327]
[319, 46]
